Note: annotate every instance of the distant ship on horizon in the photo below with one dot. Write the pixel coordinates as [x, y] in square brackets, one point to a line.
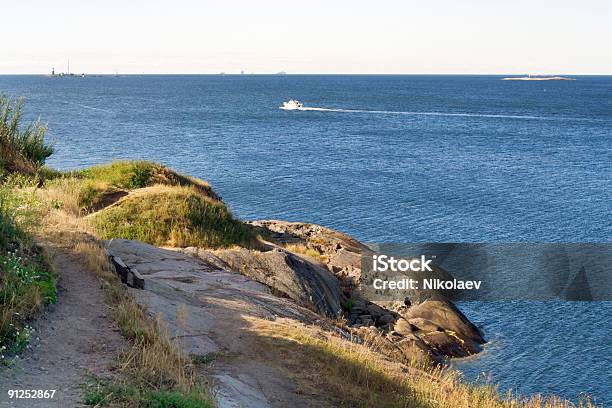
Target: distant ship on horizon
[67, 73]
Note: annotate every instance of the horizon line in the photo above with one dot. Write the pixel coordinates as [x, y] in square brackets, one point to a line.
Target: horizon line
[281, 73]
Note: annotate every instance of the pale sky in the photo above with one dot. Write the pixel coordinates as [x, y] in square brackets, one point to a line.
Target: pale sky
[385, 36]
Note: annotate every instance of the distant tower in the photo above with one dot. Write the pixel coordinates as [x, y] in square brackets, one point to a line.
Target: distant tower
[53, 71]
[68, 67]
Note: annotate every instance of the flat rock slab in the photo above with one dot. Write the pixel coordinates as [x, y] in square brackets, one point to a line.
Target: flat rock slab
[206, 309]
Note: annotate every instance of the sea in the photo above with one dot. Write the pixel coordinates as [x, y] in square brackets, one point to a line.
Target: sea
[386, 159]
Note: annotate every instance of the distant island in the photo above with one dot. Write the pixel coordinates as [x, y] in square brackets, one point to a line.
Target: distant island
[538, 78]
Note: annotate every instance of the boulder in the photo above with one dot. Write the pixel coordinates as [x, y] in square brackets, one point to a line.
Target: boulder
[286, 274]
[434, 316]
[403, 327]
[341, 252]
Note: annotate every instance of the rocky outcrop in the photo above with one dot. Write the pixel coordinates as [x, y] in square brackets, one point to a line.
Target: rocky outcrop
[288, 275]
[341, 252]
[428, 328]
[443, 328]
[425, 326]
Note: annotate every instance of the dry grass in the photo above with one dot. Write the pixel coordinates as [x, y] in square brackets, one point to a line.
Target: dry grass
[139, 174]
[355, 376]
[63, 193]
[303, 249]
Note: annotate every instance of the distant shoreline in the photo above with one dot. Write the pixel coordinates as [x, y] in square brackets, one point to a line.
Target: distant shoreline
[212, 74]
[538, 78]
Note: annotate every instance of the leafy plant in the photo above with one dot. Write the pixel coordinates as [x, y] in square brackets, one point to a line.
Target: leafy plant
[22, 149]
[26, 279]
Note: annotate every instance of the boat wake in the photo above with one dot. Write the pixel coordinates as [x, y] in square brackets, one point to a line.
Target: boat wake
[416, 113]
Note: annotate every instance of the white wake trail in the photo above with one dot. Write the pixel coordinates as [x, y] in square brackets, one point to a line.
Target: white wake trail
[452, 114]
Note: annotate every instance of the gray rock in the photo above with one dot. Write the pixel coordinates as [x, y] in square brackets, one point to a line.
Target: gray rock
[209, 309]
[433, 316]
[386, 319]
[289, 275]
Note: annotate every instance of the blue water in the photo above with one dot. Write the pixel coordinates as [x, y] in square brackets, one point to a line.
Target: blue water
[388, 159]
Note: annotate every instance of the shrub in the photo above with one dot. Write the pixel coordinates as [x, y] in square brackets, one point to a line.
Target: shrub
[22, 150]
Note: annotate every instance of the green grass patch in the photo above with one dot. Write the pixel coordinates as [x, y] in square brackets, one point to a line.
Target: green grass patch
[123, 174]
[107, 393]
[173, 216]
[94, 188]
[131, 175]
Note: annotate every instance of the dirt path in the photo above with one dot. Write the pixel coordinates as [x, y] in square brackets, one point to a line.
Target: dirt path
[73, 337]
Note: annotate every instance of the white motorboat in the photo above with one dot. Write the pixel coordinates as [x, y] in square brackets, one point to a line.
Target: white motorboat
[292, 105]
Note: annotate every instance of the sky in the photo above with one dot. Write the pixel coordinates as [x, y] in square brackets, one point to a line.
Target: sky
[375, 37]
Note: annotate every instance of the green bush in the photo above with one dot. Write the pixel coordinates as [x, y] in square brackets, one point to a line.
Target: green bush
[22, 149]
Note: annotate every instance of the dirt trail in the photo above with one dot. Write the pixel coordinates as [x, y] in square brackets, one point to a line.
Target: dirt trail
[73, 337]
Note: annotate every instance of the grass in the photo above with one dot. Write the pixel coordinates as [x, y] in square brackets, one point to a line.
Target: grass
[139, 174]
[22, 149]
[306, 250]
[89, 190]
[27, 281]
[355, 376]
[173, 216]
[148, 202]
[104, 393]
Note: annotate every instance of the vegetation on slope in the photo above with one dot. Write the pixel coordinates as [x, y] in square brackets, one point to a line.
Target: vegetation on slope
[91, 189]
[148, 202]
[22, 150]
[353, 375]
[176, 216]
[26, 279]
